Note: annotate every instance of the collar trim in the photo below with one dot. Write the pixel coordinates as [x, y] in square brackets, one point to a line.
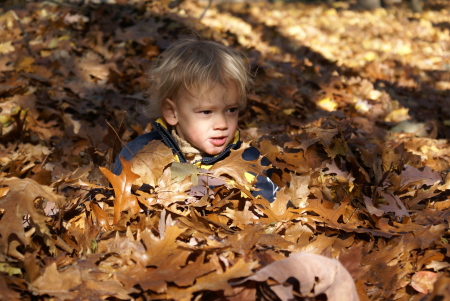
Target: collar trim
[163, 129]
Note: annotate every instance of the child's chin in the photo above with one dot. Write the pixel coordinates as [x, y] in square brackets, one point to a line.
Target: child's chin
[215, 151]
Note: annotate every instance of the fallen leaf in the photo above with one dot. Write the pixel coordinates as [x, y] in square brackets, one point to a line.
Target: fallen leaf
[150, 163]
[237, 168]
[316, 275]
[423, 281]
[17, 203]
[122, 189]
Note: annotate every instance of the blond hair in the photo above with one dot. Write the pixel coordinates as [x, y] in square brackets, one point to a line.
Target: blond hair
[191, 65]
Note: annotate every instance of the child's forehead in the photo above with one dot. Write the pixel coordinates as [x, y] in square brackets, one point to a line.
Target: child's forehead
[213, 93]
[202, 101]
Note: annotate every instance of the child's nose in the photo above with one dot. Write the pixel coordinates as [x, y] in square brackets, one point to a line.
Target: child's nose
[221, 122]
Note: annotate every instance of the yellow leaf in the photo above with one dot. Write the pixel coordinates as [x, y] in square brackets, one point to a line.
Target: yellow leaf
[7, 19]
[327, 104]
[362, 106]
[45, 53]
[6, 47]
[398, 115]
[53, 43]
[25, 64]
[370, 56]
[404, 50]
[288, 111]
[331, 12]
[374, 94]
[9, 269]
[182, 170]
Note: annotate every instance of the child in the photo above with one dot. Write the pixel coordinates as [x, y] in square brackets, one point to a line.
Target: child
[198, 88]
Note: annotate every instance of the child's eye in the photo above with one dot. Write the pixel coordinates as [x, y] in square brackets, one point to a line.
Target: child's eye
[233, 110]
[207, 112]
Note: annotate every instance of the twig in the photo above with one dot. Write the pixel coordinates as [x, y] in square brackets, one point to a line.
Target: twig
[118, 137]
[25, 35]
[206, 9]
[115, 132]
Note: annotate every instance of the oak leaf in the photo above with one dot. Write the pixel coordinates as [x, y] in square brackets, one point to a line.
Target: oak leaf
[394, 204]
[411, 175]
[160, 249]
[423, 281]
[237, 168]
[18, 201]
[5, 292]
[122, 189]
[150, 162]
[316, 275]
[58, 283]
[216, 281]
[101, 216]
[298, 190]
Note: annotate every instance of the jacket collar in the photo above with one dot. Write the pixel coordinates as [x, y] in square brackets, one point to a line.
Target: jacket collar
[163, 129]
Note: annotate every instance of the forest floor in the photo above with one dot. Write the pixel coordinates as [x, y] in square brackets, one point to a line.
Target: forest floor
[351, 107]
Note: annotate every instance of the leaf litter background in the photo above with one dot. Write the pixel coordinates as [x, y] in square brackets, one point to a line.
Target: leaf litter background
[351, 107]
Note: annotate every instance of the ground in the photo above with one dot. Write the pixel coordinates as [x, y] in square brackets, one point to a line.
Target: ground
[351, 107]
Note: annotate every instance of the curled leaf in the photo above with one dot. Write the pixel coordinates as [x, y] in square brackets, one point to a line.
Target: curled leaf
[316, 275]
[423, 281]
[122, 189]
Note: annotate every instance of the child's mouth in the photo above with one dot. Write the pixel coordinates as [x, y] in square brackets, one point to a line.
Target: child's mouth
[218, 141]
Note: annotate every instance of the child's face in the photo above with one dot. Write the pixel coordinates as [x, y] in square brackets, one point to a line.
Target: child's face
[208, 121]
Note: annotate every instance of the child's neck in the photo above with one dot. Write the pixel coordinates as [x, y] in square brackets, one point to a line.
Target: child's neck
[190, 152]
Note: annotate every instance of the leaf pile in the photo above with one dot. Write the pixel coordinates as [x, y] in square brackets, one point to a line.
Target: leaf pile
[352, 109]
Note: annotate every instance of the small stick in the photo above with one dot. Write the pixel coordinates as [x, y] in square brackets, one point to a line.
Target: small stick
[206, 9]
[25, 35]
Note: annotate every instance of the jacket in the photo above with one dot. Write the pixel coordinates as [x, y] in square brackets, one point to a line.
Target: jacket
[264, 185]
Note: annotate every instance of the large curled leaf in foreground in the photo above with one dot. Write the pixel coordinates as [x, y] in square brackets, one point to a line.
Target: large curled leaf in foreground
[315, 274]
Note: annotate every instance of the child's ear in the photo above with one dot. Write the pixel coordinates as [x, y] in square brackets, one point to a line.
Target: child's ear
[169, 111]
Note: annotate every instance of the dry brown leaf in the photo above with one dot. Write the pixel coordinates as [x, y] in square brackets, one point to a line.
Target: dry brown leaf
[101, 216]
[316, 275]
[159, 249]
[413, 176]
[328, 211]
[235, 167]
[394, 204]
[423, 281]
[150, 162]
[122, 188]
[441, 288]
[298, 190]
[17, 203]
[5, 292]
[216, 281]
